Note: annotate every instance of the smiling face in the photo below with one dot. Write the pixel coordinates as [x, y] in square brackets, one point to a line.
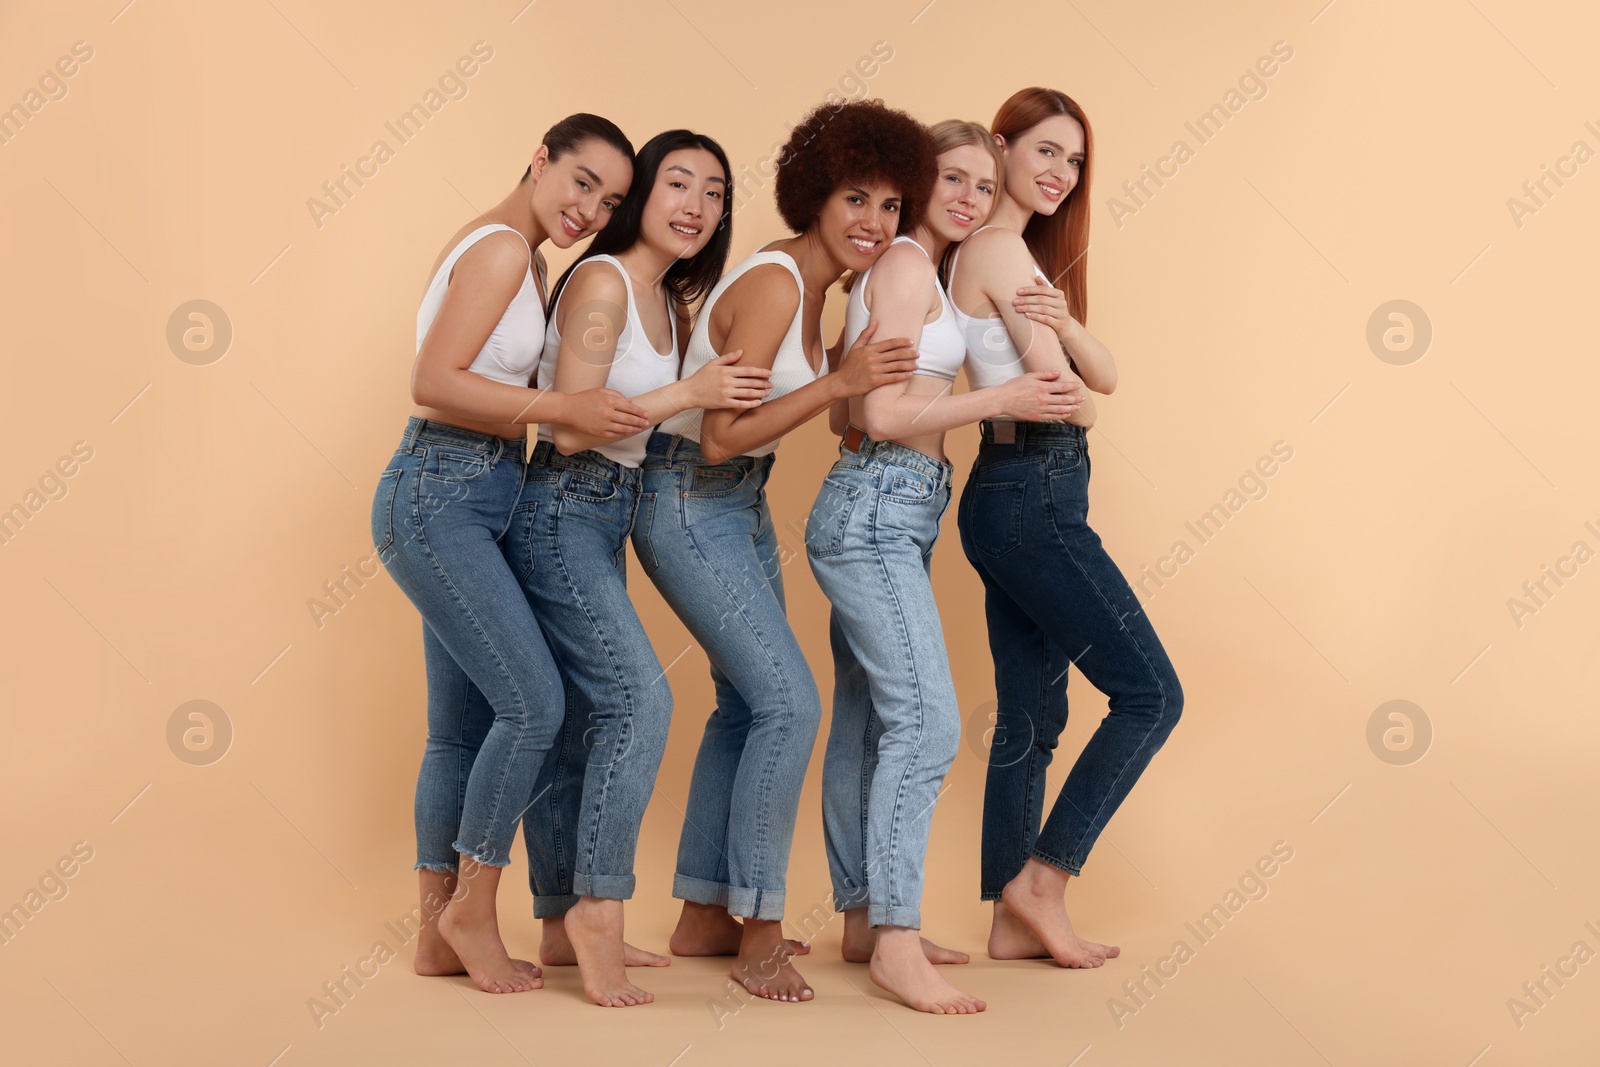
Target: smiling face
[858, 221]
[964, 193]
[1043, 163]
[686, 202]
[576, 194]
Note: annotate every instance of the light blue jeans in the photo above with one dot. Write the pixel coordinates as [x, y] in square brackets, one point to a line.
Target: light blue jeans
[567, 544]
[705, 537]
[896, 725]
[494, 695]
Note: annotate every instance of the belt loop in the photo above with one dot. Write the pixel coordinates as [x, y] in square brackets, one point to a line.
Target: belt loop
[416, 428]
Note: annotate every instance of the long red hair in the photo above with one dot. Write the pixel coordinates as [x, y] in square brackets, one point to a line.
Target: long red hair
[1060, 242]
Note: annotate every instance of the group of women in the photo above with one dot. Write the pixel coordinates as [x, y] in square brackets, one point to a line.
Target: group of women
[662, 387]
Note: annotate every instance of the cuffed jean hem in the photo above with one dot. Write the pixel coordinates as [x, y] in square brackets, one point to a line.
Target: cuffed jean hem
[553, 907]
[894, 915]
[748, 903]
[436, 866]
[605, 886]
[1042, 857]
[850, 899]
[484, 857]
[700, 891]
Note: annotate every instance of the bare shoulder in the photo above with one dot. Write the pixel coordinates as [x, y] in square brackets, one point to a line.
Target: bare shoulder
[766, 285]
[597, 284]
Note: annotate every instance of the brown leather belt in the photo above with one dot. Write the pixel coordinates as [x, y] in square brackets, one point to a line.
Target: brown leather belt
[853, 436]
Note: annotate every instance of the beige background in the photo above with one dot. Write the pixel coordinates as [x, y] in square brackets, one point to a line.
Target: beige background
[219, 499]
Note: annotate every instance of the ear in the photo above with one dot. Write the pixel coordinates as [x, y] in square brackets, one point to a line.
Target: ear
[541, 159]
[999, 141]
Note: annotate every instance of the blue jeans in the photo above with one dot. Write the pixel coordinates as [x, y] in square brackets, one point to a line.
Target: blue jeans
[896, 725]
[705, 537]
[567, 544]
[438, 517]
[1054, 598]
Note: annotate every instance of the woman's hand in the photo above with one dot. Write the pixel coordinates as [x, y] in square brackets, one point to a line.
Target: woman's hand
[1046, 305]
[722, 384]
[1042, 396]
[868, 365]
[604, 413]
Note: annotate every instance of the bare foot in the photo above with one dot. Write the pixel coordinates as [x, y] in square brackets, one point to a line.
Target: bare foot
[1034, 899]
[763, 965]
[901, 967]
[434, 954]
[595, 926]
[475, 939]
[436, 957]
[555, 949]
[859, 939]
[708, 930]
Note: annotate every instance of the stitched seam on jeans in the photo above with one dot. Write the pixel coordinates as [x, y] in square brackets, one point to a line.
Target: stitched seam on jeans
[1139, 648]
[520, 727]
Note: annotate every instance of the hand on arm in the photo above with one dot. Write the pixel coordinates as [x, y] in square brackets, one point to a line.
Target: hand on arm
[482, 285]
[589, 336]
[763, 306]
[903, 288]
[1091, 360]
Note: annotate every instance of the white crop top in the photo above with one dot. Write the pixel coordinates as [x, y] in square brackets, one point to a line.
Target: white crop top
[992, 356]
[790, 368]
[512, 350]
[942, 347]
[637, 368]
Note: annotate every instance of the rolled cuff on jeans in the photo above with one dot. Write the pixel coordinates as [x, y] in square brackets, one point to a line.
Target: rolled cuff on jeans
[700, 891]
[748, 903]
[606, 886]
[553, 907]
[894, 915]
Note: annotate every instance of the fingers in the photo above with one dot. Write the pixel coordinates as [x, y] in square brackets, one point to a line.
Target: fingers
[1048, 291]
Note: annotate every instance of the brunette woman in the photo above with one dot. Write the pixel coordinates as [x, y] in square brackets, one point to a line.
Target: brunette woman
[618, 319]
[438, 519]
[847, 179]
[1053, 597]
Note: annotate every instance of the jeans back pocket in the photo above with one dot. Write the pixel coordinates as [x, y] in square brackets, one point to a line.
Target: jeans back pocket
[996, 516]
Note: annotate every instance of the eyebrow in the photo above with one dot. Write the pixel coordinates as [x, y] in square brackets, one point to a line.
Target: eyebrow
[690, 173]
[863, 192]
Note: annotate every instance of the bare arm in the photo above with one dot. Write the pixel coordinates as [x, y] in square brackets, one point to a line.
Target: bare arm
[481, 287]
[1001, 264]
[903, 285]
[590, 318]
[1091, 360]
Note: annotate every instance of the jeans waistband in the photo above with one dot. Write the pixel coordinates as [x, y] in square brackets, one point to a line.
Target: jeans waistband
[1032, 436]
[669, 449]
[442, 433]
[546, 455]
[878, 453]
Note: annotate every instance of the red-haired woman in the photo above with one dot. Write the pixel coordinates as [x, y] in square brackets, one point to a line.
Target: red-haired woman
[1053, 597]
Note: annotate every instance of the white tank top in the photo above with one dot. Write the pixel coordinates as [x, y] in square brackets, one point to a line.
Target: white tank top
[992, 356]
[790, 368]
[636, 369]
[942, 347]
[512, 350]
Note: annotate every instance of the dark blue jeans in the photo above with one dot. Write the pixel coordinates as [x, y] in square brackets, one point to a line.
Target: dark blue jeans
[1054, 598]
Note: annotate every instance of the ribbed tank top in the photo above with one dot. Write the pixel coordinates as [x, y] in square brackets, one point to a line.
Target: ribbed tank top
[636, 369]
[512, 351]
[992, 356]
[942, 347]
[790, 368]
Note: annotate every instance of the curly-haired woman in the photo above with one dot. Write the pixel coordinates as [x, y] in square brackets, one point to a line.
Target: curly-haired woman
[1053, 597]
[847, 180]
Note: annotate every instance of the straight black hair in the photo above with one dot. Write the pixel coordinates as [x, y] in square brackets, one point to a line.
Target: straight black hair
[687, 279]
[567, 135]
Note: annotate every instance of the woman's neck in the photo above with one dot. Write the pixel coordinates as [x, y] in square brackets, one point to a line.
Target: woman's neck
[647, 265]
[818, 268]
[930, 242]
[1010, 214]
[516, 211]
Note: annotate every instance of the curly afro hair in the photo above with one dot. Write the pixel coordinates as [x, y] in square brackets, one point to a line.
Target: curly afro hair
[858, 141]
